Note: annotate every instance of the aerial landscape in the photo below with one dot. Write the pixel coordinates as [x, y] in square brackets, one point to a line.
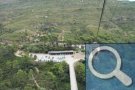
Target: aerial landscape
[42, 41]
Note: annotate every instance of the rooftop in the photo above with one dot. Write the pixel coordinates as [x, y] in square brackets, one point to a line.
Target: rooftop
[69, 51]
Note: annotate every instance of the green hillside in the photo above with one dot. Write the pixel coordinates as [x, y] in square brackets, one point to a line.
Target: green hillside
[76, 20]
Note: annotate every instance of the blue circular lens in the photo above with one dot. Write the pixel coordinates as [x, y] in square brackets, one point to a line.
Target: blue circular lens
[104, 62]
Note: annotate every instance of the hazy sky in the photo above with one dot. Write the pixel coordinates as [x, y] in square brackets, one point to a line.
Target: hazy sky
[131, 0]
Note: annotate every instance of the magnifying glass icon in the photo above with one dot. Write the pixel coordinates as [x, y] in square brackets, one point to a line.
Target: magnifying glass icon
[125, 79]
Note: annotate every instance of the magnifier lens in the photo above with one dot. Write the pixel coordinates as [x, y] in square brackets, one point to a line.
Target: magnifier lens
[104, 62]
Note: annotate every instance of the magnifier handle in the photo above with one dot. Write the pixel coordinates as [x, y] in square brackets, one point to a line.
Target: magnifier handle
[125, 79]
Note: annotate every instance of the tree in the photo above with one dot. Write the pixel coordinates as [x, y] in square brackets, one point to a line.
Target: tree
[80, 74]
[28, 88]
[26, 63]
[20, 79]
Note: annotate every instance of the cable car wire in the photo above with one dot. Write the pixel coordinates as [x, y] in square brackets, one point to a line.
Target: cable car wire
[101, 16]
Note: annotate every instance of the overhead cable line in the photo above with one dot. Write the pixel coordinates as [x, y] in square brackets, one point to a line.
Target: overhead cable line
[101, 16]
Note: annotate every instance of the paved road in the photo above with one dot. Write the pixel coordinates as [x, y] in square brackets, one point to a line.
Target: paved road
[73, 81]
